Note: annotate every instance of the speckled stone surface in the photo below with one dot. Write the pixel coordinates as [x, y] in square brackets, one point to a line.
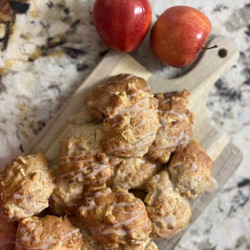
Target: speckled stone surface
[54, 47]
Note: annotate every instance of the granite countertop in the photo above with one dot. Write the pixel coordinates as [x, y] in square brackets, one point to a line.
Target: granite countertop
[54, 47]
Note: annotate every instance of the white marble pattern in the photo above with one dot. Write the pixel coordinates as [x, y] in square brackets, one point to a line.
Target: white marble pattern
[33, 90]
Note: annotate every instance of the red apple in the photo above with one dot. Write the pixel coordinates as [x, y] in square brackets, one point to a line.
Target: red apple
[122, 24]
[179, 35]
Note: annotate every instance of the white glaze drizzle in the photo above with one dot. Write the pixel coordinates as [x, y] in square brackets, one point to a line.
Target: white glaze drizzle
[49, 241]
[119, 227]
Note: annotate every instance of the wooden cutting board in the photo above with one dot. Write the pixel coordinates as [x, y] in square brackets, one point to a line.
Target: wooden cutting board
[211, 66]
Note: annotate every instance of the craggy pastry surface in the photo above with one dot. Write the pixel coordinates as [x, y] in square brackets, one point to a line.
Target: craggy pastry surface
[105, 92]
[48, 233]
[25, 187]
[115, 218]
[133, 173]
[82, 158]
[129, 114]
[191, 170]
[66, 196]
[175, 125]
[167, 209]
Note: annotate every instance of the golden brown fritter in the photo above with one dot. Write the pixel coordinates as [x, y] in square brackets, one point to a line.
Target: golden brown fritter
[90, 244]
[115, 218]
[175, 131]
[132, 123]
[191, 170]
[102, 97]
[26, 187]
[129, 113]
[66, 197]
[167, 209]
[82, 158]
[7, 234]
[50, 232]
[133, 173]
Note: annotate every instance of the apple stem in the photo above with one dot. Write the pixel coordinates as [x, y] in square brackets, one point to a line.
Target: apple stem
[207, 48]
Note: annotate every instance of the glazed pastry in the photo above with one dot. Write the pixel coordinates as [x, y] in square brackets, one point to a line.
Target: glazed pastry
[82, 158]
[175, 130]
[191, 170]
[167, 209]
[102, 97]
[130, 115]
[115, 218]
[132, 123]
[50, 232]
[133, 173]
[66, 197]
[91, 244]
[26, 187]
[7, 235]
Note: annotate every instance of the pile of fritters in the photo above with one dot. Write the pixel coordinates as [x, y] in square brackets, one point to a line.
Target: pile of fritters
[123, 178]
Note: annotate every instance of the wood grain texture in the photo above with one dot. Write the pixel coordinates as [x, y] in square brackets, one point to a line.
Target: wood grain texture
[198, 81]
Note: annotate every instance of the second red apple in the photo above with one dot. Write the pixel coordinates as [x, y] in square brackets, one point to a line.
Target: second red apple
[179, 34]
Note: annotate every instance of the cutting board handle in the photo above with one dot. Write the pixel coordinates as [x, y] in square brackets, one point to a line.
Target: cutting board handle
[199, 80]
[213, 64]
[208, 69]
